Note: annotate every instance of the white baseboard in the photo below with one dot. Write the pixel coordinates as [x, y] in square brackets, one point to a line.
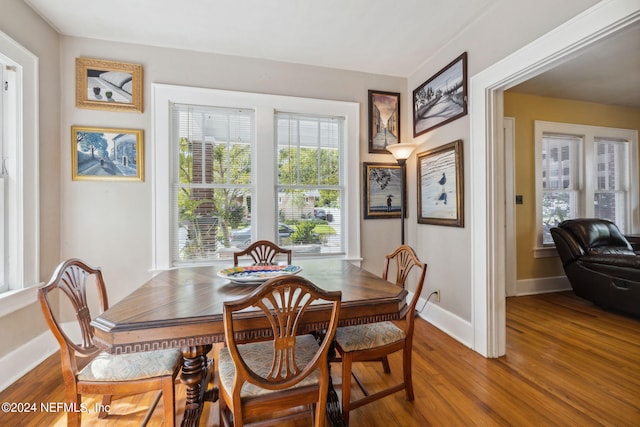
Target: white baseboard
[452, 325]
[462, 330]
[542, 285]
[25, 358]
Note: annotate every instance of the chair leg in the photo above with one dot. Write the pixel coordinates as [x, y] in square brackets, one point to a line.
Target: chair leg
[346, 387]
[169, 402]
[385, 365]
[406, 369]
[73, 417]
[106, 402]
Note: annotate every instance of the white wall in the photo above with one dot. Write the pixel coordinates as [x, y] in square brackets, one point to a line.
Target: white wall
[500, 31]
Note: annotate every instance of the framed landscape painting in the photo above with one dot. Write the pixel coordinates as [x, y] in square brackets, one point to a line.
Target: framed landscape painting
[108, 85]
[441, 185]
[102, 154]
[442, 98]
[384, 120]
[382, 186]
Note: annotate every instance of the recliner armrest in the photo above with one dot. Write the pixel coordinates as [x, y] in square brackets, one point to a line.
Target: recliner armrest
[567, 246]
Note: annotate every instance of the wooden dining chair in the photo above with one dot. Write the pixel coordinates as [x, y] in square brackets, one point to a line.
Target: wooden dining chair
[375, 341]
[285, 371]
[263, 252]
[105, 374]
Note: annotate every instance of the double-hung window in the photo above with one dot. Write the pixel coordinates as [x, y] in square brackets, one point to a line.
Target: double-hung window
[585, 171]
[235, 167]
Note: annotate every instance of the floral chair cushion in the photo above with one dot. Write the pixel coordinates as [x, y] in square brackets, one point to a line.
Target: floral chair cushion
[259, 357]
[133, 366]
[371, 335]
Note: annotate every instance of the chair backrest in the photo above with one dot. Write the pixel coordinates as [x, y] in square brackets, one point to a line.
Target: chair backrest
[593, 233]
[70, 279]
[263, 252]
[283, 301]
[405, 260]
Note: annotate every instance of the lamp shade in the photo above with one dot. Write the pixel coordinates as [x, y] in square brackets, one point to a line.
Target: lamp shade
[402, 151]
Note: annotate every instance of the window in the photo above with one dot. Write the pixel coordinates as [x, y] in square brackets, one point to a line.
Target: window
[585, 171]
[18, 174]
[235, 167]
[310, 184]
[213, 182]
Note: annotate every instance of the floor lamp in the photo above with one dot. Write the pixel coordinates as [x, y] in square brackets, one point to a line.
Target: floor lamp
[401, 152]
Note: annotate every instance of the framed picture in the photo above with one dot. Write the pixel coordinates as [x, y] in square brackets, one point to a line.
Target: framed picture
[441, 186]
[108, 85]
[99, 154]
[382, 186]
[442, 98]
[384, 120]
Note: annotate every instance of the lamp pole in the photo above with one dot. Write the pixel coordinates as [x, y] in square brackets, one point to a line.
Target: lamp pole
[401, 152]
[402, 163]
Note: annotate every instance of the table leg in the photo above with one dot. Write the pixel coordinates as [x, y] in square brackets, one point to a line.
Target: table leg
[195, 376]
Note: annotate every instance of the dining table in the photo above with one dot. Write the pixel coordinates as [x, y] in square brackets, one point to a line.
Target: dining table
[183, 308]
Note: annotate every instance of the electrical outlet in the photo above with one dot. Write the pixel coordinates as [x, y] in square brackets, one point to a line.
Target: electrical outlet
[437, 295]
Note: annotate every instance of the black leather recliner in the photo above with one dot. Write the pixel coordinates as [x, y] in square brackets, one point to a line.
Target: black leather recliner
[599, 263]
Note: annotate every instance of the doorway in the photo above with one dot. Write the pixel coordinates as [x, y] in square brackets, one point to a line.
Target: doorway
[489, 260]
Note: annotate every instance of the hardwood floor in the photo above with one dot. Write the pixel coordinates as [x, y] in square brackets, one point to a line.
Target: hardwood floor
[568, 363]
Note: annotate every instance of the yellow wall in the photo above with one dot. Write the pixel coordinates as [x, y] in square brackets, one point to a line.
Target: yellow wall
[526, 109]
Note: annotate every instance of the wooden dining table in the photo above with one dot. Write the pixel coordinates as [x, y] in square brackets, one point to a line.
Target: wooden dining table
[183, 308]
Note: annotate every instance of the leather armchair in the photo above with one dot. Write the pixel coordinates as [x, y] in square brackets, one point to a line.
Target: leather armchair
[599, 263]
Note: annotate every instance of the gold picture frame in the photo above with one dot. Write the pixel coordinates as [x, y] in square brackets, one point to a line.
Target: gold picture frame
[441, 185]
[107, 154]
[108, 85]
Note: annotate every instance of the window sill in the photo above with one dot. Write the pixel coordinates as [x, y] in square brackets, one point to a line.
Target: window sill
[12, 301]
[545, 252]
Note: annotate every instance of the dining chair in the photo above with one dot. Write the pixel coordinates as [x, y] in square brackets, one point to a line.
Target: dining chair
[286, 370]
[104, 374]
[375, 341]
[263, 252]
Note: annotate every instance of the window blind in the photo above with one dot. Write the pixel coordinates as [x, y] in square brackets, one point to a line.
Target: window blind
[212, 178]
[310, 183]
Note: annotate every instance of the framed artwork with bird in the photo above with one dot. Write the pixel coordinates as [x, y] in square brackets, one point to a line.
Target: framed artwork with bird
[441, 185]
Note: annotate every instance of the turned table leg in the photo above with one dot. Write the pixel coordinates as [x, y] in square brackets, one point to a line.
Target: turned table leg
[195, 376]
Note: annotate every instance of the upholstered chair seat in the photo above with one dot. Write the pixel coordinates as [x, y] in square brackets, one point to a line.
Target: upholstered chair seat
[133, 366]
[362, 337]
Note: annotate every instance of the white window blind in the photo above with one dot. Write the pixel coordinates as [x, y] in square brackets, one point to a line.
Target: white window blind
[212, 184]
[612, 179]
[560, 180]
[310, 182]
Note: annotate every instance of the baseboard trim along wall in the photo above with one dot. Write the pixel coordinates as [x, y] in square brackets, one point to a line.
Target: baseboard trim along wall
[542, 285]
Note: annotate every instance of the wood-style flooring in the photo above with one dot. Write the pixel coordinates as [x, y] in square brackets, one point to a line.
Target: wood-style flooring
[568, 363]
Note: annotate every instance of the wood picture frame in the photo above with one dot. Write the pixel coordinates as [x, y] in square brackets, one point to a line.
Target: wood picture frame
[382, 186]
[107, 154]
[442, 98]
[108, 85]
[384, 120]
[440, 174]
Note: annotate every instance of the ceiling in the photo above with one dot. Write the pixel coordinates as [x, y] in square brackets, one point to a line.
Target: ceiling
[607, 72]
[358, 35]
